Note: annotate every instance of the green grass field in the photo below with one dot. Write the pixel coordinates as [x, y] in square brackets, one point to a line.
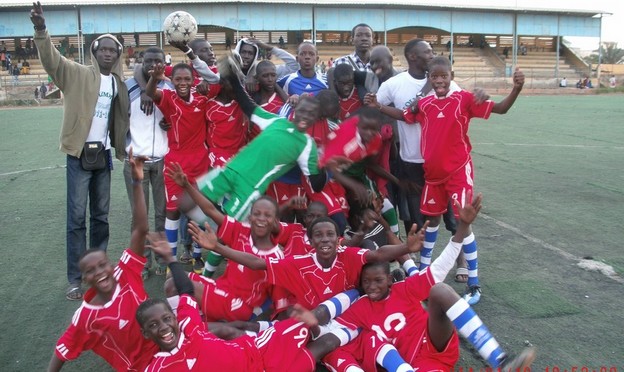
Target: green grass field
[551, 175]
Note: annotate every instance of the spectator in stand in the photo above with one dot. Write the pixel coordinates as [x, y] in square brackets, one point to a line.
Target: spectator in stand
[563, 83]
[43, 90]
[612, 81]
[506, 52]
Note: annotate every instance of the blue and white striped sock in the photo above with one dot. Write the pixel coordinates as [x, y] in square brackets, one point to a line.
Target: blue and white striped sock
[340, 302]
[171, 231]
[410, 267]
[389, 358]
[431, 235]
[197, 250]
[470, 253]
[472, 328]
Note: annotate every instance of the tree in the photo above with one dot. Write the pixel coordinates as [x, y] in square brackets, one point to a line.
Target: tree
[611, 54]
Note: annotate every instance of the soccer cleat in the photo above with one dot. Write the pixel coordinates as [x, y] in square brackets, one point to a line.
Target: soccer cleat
[519, 363]
[186, 258]
[198, 265]
[472, 294]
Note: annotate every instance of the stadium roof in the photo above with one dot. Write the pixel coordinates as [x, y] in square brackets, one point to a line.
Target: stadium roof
[445, 4]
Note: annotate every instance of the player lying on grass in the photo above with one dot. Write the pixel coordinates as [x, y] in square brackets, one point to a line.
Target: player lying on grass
[426, 338]
[186, 345]
[105, 322]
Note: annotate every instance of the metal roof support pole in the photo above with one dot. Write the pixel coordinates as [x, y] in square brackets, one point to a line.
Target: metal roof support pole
[385, 29]
[599, 52]
[558, 51]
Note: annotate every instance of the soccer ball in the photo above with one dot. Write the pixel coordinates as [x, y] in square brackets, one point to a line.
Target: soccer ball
[180, 26]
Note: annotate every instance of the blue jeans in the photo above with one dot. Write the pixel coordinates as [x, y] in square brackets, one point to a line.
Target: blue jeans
[85, 185]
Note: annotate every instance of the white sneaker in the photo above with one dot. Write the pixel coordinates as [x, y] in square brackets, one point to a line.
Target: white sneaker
[472, 294]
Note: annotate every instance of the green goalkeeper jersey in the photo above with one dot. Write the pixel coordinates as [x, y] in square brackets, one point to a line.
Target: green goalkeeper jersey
[275, 151]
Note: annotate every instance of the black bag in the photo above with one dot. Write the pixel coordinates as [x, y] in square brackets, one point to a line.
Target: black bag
[94, 156]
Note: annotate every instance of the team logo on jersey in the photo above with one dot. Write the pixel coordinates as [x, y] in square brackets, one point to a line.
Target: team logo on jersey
[231, 118]
[191, 362]
[174, 198]
[196, 110]
[327, 290]
[441, 115]
[236, 304]
[308, 86]
[285, 197]
[340, 361]
[122, 323]
[431, 201]
[241, 268]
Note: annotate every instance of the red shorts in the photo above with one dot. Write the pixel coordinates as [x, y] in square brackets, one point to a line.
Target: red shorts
[282, 347]
[458, 186]
[333, 196]
[282, 192]
[361, 352]
[193, 163]
[426, 357]
[218, 305]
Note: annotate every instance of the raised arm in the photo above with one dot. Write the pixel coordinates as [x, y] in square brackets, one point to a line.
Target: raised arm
[174, 170]
[207, 240]
[392, 252]
[140, 225]
[370, 100]
[157, 74]
[160, 246]
[503, 106]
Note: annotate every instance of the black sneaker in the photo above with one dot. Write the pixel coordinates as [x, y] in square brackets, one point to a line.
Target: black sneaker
[198, 265]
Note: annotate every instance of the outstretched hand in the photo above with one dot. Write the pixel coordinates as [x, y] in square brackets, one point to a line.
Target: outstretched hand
[297, 202]
[175, 172]
[468, 213]
[158, 72]
[206, 238]
[181, 45]
[136, 165]
[480, 95]
[36, 15]
[159, 245]
[415, 240]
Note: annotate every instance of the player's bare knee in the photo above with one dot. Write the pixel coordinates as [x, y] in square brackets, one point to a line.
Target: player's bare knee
[442, 296]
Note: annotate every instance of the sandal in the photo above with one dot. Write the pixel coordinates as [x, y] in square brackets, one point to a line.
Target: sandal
[461, 275]
[73, 293]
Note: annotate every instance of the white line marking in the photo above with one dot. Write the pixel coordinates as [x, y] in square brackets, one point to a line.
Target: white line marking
[32, 170]
[591, 265]
[548, 145]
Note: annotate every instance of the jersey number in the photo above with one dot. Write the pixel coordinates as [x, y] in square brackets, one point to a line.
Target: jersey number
[393, 322]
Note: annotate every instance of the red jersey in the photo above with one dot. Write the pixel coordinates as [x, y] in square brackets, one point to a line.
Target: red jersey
[110, 330]
[444, 142]
[350, 104]
[398, 319]
[200, 350]
[310, 283]
[187, 119]
[249, 285]
[346, 141]
[274, 104]
[294, 239]
[228, 129]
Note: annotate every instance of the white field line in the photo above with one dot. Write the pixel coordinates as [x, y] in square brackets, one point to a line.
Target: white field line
[591, 265]
[548, 145]
[31, 170]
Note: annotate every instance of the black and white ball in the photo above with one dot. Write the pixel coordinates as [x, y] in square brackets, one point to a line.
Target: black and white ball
[180, 26]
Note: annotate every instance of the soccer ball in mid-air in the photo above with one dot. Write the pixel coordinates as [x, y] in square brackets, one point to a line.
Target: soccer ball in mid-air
[180, 26]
